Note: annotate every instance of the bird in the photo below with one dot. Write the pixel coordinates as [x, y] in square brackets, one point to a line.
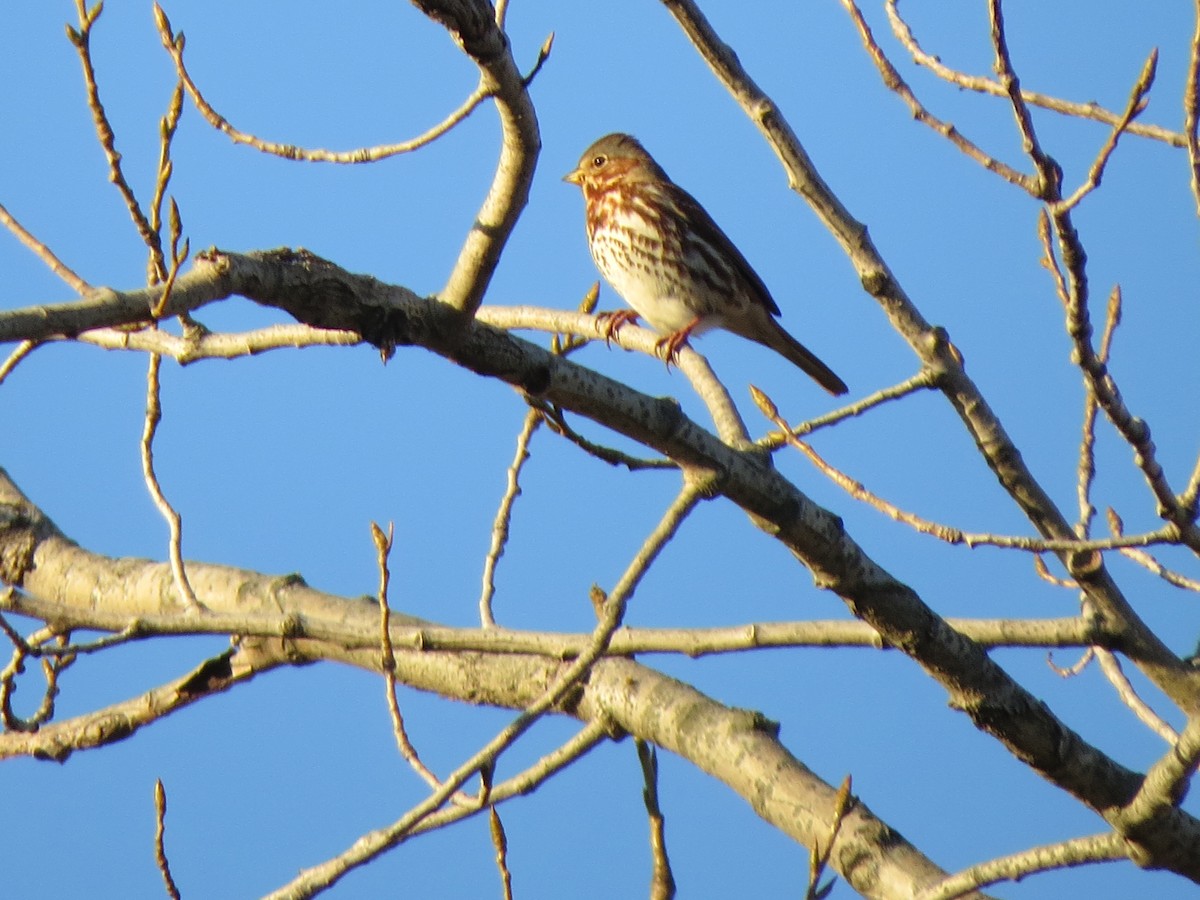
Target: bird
[667, 258]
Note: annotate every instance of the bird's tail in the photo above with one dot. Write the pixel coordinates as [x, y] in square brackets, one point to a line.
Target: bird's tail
[775, 337]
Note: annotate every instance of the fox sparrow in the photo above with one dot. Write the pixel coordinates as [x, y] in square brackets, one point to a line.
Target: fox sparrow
[663, 253]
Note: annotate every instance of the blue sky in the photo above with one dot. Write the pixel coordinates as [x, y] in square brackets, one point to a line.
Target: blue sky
[279, 463]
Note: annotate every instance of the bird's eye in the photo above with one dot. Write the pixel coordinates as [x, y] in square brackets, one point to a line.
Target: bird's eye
[598, 161]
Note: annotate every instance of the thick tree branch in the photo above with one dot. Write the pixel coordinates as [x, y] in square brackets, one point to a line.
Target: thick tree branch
[319, 294]
[473, 26]
[933, 347]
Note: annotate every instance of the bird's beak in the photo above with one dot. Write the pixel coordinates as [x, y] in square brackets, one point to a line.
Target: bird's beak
[575, 176]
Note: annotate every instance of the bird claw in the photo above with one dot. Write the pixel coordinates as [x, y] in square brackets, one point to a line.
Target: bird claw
[670, 346]
[612, 322]
[673, 343]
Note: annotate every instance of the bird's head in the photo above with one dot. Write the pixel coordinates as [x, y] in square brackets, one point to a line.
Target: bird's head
[614, 159]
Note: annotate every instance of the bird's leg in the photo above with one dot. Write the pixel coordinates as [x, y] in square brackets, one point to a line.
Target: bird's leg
[676, 341]
[611, 322]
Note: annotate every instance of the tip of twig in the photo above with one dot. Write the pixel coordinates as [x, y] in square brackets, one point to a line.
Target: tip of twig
[765, 404]
[162, 22]
[590, 299]
[543, 55]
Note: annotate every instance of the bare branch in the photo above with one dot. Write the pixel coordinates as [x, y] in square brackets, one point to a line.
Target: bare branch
[302, 285]
[387, 664]
[500, 842]
[1161, 792]
[557, 422]
[370, 845]
[1191, 108]
[472, 23]
[1047, 184]
[1091, 110]
[1149, 562]
[893, 81]
[81, 39]
[1075, 852]
[1137, 103]
[662, 882]
[174, 44]
[1111, 667]
[44, 253]
[58, 740]
[14, 359]
[1087, 441]
[195, 345]
[174, 521]
[923, 380]
[937, 353]
[503, 517]
[160, 830]
[819, 856]
[51, 668]
[949, 533]
[1074, 670]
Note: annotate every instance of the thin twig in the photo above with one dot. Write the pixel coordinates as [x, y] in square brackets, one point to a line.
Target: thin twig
[134, 631]
[1111, 667]
[51, 669]
[1142, 558]
[166, 131]
[22, 350]
[44, 253]
[194, 345]
[370, 845]
[1191, 112]
[923, 380]
[1047, 185]
[1189, 499]
[893, 81]
[556, 420]
[1039, 566]
[81, 39]
[174, 45]
[819, 856]
[1073, 289]
[1087, 441]
[1136, 105]
[523, 782]
[662, 881]
[1049, 262]
[500, 842]
[1191, 107]
[1105, 847]
[1090, 110]
[1074, 670]
[160, 829]
[949, 533]
[503, 519]
[174, 521]
[383, 549]
[543, 55]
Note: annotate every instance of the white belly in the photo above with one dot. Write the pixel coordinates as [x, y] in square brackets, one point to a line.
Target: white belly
[661, 300]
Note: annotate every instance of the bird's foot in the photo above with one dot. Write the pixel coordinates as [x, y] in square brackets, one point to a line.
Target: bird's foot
[612, 322]
[670, 345]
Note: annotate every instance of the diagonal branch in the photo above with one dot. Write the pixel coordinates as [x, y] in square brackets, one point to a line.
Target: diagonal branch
[1090, 110]
[997, 704]
[932, 346]
[174, 44]
[472, 24]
